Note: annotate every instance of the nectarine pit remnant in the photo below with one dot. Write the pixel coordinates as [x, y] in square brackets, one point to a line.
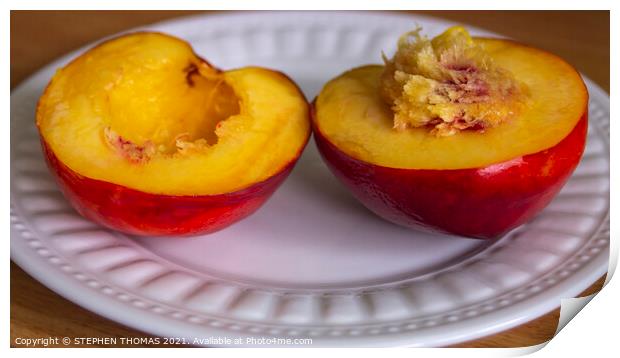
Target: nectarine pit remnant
[131, 151]
[448, 84]
[190, 70]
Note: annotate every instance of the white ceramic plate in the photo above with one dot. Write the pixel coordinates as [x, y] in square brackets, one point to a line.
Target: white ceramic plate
[312, 262]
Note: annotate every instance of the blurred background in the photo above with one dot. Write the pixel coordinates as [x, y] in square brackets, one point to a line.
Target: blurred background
[39, 37]
[580, 37]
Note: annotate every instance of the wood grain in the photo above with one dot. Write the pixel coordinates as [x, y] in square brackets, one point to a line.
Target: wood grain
[38, 37]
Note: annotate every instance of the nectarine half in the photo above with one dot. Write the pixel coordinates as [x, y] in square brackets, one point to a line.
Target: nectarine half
[468, 136]
[147, 138]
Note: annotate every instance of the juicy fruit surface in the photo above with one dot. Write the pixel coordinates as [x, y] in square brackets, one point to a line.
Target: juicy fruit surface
[351, 114]
[143, 111]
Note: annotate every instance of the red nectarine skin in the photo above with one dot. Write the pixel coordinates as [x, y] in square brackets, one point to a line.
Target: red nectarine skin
[482, 203]
[139, 213]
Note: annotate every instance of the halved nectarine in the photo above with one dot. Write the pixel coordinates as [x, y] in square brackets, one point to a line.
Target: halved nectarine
[469, 136]
[147, 138]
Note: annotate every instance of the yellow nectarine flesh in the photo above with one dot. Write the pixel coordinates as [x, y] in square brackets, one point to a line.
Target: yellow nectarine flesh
[351, 114]
[156, 118]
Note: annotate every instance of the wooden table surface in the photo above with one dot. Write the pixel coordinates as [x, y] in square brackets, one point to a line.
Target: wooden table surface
[38, 37]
